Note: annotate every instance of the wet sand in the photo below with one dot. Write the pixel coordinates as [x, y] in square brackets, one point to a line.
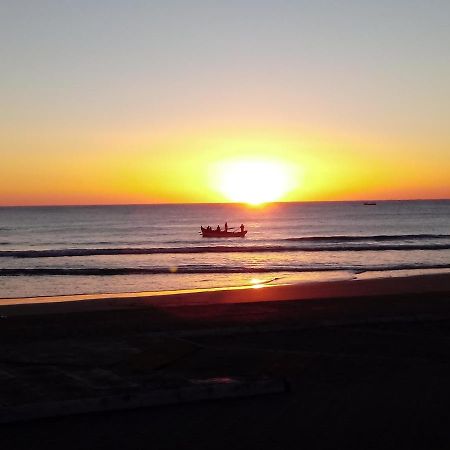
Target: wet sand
[423, 285]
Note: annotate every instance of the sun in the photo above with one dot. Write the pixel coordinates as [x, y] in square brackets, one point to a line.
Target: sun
[254, 181]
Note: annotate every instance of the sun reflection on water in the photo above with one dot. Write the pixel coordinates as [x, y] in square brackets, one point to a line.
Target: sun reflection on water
[256, 283]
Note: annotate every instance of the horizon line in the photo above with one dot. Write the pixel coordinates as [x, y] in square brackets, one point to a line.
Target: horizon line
[221, 203]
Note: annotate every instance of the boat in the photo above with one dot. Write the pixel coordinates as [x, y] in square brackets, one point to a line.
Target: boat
[222, 233]
[370, 203]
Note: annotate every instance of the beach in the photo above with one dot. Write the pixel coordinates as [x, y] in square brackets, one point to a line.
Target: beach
[224, 225]
[343, 360]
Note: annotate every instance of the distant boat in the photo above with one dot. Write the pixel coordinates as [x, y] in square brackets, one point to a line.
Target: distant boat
[370, 203]
[222, 233]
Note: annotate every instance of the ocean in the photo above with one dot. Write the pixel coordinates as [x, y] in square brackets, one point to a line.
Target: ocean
[107, 249]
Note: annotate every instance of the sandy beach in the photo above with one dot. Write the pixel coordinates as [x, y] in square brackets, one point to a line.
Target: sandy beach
[358, 356]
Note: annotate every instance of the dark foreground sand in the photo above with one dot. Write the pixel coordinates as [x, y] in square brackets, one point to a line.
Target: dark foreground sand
[367, 364]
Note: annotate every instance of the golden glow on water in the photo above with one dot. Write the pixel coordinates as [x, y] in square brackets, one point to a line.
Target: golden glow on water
[257, 283]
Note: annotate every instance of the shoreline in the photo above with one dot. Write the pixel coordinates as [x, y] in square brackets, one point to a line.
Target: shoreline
[275, 279]
[338, 289]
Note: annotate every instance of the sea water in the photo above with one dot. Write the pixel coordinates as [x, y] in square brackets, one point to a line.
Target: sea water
[135, 248]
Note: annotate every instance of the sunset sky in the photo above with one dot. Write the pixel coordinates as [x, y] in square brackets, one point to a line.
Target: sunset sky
[106, 102]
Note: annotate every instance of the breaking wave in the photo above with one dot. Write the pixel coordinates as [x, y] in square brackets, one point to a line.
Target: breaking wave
[70, 252]
[377, 238]
[198, 269]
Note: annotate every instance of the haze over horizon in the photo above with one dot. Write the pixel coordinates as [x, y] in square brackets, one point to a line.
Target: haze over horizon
[158, 102]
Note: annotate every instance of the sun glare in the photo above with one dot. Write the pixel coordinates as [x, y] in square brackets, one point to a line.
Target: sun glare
[254, 181]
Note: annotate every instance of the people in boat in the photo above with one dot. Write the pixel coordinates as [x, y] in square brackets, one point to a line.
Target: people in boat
[242, 227]
[218, 228]
[208, 228]
[226, 226]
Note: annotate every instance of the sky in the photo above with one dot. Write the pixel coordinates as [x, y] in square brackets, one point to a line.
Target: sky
[106, 102]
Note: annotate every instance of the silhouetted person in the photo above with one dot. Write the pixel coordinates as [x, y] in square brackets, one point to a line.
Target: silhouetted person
[218, 228]
[226, 226]
[242, 227]
[209, 228]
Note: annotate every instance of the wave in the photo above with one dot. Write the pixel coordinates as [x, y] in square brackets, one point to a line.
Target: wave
[71, 252]
[378, 238]
[97, 271]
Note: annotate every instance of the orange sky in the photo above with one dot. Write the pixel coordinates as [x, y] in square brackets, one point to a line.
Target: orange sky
[118, 103]
[114, 168]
